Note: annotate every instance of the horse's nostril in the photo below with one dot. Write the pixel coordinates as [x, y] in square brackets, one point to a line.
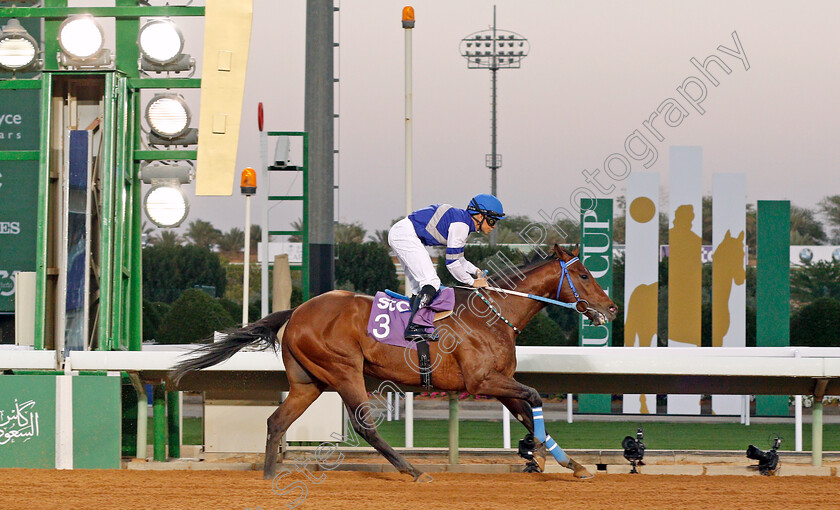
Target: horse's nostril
[612, 309]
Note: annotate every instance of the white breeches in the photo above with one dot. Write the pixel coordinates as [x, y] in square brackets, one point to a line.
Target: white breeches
[413, 256]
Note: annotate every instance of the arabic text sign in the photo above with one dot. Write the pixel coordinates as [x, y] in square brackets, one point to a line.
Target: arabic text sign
[19, 423]
[27, 421]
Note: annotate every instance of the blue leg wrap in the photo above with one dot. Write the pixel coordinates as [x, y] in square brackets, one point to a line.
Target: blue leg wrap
[555, 450]
[539, 424]
[540, 436]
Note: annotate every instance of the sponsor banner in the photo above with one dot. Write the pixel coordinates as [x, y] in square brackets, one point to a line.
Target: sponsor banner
[641, 274]
[596, 233]
[19, 130]
[18, 225]
[729, 306]
[293, 250]
[27, 421]
[801, 255]
[685, 265]
[20, 122]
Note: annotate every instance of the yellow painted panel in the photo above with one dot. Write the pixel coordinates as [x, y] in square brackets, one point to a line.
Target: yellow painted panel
[227, 35]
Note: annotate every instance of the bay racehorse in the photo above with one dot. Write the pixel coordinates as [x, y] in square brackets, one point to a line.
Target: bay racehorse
[325, 346]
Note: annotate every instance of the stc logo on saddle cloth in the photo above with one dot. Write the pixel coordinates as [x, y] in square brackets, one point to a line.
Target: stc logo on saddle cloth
[383, 319]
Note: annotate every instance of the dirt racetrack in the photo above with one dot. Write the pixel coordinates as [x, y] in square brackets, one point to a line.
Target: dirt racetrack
[197, 490]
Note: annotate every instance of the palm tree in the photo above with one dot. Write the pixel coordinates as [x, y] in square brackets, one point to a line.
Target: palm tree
[830, 207]
[380, 237]
[297, 225]
[166, 238]
[202, 233]
[256, 237]
[349, 232]
[146, 231]
[804, 227]
[232, 241]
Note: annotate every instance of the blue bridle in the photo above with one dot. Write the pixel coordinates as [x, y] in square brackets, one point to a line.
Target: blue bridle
[581, 305]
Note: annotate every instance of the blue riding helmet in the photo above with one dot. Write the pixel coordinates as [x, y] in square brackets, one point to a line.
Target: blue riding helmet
[488, 205]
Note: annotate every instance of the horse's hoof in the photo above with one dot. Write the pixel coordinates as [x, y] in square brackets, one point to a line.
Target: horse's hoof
[579, 471]
[539, 456]
[423, 478]
[532, 467]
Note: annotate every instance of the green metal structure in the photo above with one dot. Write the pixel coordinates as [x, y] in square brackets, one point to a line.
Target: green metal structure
[116, 257]
[118, 319]
[304, 199]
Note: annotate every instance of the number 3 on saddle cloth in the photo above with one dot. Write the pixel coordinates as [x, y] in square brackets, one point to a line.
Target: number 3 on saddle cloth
[390, 311]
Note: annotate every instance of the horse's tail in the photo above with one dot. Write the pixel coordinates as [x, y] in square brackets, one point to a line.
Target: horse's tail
[235, 339]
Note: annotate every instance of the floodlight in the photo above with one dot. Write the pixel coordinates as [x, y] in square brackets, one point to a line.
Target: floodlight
[161, 48]
[634, 449]
[169, 119]
[165, 203]
[82, 42]
[18, 49]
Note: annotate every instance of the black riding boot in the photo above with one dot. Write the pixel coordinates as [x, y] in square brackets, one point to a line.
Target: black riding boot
[414, 331]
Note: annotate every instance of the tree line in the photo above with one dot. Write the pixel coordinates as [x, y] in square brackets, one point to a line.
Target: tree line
[192, 282]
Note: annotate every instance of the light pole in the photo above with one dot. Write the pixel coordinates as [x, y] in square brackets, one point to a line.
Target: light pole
[494, 49]
[248, 188]
[408, 25]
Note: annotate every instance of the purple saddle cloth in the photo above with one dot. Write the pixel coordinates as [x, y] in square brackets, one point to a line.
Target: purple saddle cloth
[389, 316]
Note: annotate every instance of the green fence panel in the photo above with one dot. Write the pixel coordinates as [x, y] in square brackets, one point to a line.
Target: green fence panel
[772, 293]
[97, 422]
[27, 421]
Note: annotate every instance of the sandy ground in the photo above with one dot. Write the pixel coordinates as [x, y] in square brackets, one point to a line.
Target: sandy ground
[49, 489]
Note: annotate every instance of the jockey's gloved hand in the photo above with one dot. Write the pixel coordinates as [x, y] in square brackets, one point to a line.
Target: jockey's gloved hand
[480, 282]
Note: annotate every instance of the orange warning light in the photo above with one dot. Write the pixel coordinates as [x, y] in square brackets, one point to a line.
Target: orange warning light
[408, 17]
[249, 182]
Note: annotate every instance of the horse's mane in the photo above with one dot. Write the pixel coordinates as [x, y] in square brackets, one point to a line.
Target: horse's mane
[508, 278]
[504, 279]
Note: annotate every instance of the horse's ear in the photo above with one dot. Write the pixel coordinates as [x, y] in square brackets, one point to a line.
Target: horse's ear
[576, 251]
[741, 236]
[728, 234]
[558, 251]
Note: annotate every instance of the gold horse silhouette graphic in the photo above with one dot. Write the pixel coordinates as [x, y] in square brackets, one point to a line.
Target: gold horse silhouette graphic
[641, 315]
[640, 322]
[684, 279]
[727, 269]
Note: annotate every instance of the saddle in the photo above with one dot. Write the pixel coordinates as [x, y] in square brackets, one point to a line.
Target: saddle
[389, 318]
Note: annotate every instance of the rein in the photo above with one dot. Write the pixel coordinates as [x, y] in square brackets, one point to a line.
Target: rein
[580, 305]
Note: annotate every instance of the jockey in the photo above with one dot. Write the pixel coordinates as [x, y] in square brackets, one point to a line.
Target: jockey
[440, 225]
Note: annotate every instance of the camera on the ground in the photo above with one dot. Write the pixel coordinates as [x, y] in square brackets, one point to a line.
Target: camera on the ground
[634, 449]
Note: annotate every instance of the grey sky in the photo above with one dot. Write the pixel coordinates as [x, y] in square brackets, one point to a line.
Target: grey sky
[596, 71]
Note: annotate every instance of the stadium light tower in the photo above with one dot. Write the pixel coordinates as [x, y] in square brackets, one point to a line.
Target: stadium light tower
[494, 49]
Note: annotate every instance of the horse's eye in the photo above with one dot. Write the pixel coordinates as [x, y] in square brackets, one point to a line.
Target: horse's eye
[584, 277]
